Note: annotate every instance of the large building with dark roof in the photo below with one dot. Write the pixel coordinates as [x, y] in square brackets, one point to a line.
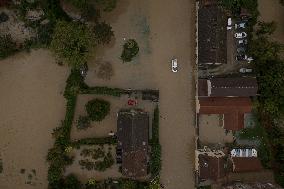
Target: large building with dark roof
[228, 87]
[212, 33]
[133, 136]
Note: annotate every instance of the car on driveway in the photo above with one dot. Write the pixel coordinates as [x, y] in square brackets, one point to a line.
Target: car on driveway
[242, 42]
[241, 49]
[245, 70]
[241, 57]
[229, 26]
[241, 25]
[241, 35]
[174, 65]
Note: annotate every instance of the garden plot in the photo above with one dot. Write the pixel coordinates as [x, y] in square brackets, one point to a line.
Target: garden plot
[109, 123]
[94, 161]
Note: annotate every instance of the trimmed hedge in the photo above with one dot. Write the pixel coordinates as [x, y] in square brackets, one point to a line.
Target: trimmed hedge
[95, 141]
[103, 91]
[155, 161]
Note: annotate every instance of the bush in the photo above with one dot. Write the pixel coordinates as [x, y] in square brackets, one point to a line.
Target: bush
[71, 182]
[103, 33]
[107, 5]
[130, 50]
[97, 109]
[7, 46]
[83, 122]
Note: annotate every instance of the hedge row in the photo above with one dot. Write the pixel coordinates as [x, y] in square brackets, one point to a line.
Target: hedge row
[103, 91]
[155, 162]
[95, 141]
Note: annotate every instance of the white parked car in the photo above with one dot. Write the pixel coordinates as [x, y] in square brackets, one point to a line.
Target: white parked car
[229, 26]
[243, 152]
[174, 65]
[245, 70]
[241, 25]
[241, 35]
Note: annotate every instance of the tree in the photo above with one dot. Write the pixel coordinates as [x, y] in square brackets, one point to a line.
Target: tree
[106, 5]
[7, 46]
[97, 109]
[72, 42]
[130, 50]
[266, 28]
[103, 33]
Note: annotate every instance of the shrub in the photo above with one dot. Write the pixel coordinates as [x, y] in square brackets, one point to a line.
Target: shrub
[7, 46]
[83, 122]
[74, 84]
[97, 109]
[130, 50]
[94, 141]
[72, 42]
[103, 33]
[71, 182]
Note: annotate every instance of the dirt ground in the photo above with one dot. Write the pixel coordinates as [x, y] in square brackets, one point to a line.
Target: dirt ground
[163, 29]
[32, 105]
[272, 10]
[101, 129]
[213, 124]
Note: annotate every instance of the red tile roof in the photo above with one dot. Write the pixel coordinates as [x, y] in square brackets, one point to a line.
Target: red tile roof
[233, 109]
[246, 164]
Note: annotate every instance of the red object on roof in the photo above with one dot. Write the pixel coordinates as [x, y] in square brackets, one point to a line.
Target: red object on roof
[246, 164]
[233, 109]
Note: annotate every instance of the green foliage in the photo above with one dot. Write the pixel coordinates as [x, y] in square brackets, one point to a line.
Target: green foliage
[130, 50]
[128, 184]
[155, 160]
[106, 5]
[72, 42]
[1, 166]
[71, 182]
[7, 46]
[103, 91]
[97, 109]
[83, 122]
[53, 10]
[94, 141]
[103, 33]
[266, 28]
[74, 84]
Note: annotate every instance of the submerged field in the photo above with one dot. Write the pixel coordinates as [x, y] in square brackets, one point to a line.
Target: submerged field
[32, 105]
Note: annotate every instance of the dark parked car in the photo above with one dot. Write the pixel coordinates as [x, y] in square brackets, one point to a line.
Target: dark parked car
[241, 49]
[241, 57]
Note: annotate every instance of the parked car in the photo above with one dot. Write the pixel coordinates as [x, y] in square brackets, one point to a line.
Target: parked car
[229, 26]
[245, 70]
[174, 65]
[243, 152]
[242, 42]
[241, 49]
[241, 35]
[241, 57]
[241, 25]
